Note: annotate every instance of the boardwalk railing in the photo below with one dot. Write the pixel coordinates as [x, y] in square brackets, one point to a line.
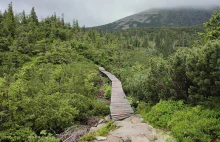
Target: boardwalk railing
[120, 108]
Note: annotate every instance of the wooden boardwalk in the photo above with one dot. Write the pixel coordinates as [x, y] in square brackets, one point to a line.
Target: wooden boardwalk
[120, 108]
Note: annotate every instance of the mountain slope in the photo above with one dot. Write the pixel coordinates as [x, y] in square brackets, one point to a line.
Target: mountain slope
[162, 18]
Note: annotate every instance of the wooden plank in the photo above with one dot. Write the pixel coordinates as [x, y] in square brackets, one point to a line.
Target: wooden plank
[117, 109]
[121, 111]
[120, 102]
[120, 107]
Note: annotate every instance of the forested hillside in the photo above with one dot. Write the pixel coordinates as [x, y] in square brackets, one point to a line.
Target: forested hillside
[45, 84]
[169, 17]
[49, 77]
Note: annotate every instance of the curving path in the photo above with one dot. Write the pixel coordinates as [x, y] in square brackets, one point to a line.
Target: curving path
[120, 108]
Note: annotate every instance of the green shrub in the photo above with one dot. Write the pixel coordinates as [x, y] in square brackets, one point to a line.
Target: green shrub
[187, 123]
[107, 91]
[149, 84]
[143, 108]
[161, 113]
[88, 137]
[110, 126]
[106, 129]
[100, 108]
[45, 137]
[195, 124]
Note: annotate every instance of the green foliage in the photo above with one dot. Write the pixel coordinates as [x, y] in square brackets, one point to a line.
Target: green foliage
[101, 109]
[107, 91]
[140, 84]
[9, 25]
[49, 77]
[179, 79]
[187, 123]
[110, 126]
[143, 108]
[161, 113]
[195, 124]
[88, 137]
[45, 84]
[44, 137]
[33, 16]
[203, 70]
[213, 27]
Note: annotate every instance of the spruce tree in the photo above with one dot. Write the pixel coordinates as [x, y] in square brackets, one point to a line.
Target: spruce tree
[9, 24]
[33, 16]
[75, 25]
[213, 27]
[1, 16]
[23, 18]
[62, 20]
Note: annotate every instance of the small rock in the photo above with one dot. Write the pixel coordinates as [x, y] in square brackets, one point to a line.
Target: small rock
[154, 131]
[101, 121]
[92, 121]
[99, 138]
[160, 139]
[92, 129]
[107, 118]
[150, 127]
[113, 139]
[101, 125]
[127, 140]
[139, 139]
[151, 137]
[135, 120]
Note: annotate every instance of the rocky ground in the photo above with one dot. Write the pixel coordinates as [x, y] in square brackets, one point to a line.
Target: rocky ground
[131, 130]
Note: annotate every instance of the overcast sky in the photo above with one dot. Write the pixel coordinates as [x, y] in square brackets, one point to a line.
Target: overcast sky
[98, 12]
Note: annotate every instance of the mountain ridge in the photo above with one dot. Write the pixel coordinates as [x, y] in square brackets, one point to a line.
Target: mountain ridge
[162, 17]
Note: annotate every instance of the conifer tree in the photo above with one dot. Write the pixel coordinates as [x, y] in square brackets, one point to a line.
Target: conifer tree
[1, 16]
[9, 24]
[62, 20]
[23, 18]
[213, 27]
[33, 16]
[75, 25]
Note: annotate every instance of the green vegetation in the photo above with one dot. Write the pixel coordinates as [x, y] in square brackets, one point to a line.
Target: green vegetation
[110, 126]
[88, 137]
[187, 123]
[45, 84]
[49, 76]
[190, 75]
[107, 91]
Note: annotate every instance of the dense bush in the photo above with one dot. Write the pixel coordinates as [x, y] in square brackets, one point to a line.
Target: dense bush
[203, 70]
[161, 114]
[186, 123]
[46, 85]
[191, 75]
[149, 84]
[195, 124]
[107, 91]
